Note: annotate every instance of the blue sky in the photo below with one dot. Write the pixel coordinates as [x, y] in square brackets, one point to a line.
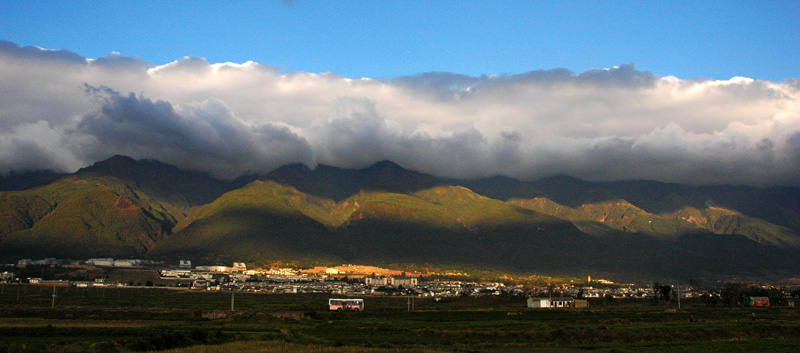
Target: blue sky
[385, 39]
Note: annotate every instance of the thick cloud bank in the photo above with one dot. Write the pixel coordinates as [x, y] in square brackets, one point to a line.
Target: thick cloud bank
[61, 111]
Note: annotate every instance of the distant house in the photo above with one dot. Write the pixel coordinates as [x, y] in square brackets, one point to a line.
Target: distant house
[185, 264]
[558, 302]
[239, 267]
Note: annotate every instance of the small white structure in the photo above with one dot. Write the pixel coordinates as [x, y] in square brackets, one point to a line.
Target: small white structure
[538, 302]
[185, 264]
[108, 262]
[6, 276]
[127, 263]
[101, 282]
[175, 273]
[218, 269]
[239, 267]
[559, 302]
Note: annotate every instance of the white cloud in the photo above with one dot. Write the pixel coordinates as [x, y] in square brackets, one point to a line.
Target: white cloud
[229, 118]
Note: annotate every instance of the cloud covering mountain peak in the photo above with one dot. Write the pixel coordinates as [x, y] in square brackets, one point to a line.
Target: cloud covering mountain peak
[61, 111]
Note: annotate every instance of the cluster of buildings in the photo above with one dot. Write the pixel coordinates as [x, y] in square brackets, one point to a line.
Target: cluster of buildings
[104, 262]
[335, 282]
[114, 263]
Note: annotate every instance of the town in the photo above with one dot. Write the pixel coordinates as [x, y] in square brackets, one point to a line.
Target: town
[344, 280]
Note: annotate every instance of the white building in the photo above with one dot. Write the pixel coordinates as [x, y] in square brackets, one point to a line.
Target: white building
[175, 273]
[376, 281]
[559, 302]
[127, 263]
[7, 276]
[101, 262]
[219, 269]
[404, 281]
[538, 302]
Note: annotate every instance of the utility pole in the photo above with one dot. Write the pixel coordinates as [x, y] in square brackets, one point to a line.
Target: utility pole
[53, 305]
[232, 293]
[679, 296]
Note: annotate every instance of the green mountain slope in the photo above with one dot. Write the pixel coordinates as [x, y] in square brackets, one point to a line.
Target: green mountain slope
[621, 215]
[176, 189]
[723, 221]
[269, 222]
[454, 226]
[268, 197]
[261, 221]
[478, 212]
[76, 217]
[339, 183]
[776, 205]
[393, 207]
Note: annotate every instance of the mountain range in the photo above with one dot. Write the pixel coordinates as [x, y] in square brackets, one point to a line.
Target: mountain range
[388, 215]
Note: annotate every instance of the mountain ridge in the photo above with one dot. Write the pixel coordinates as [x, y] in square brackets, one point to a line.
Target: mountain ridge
[386, 213]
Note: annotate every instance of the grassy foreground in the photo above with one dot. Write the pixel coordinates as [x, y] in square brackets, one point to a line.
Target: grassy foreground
[140, 319]
[285, 347]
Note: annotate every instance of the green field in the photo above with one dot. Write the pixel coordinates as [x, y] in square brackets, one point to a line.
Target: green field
[151, 319]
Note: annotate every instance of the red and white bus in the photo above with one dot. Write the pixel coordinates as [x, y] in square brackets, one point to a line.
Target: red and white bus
[345, 304]
[757, 301]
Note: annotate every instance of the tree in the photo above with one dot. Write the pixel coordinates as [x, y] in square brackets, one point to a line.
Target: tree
[776, 296]
[608, 299]
[656, 289]
[732, 294]
[665, 291]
